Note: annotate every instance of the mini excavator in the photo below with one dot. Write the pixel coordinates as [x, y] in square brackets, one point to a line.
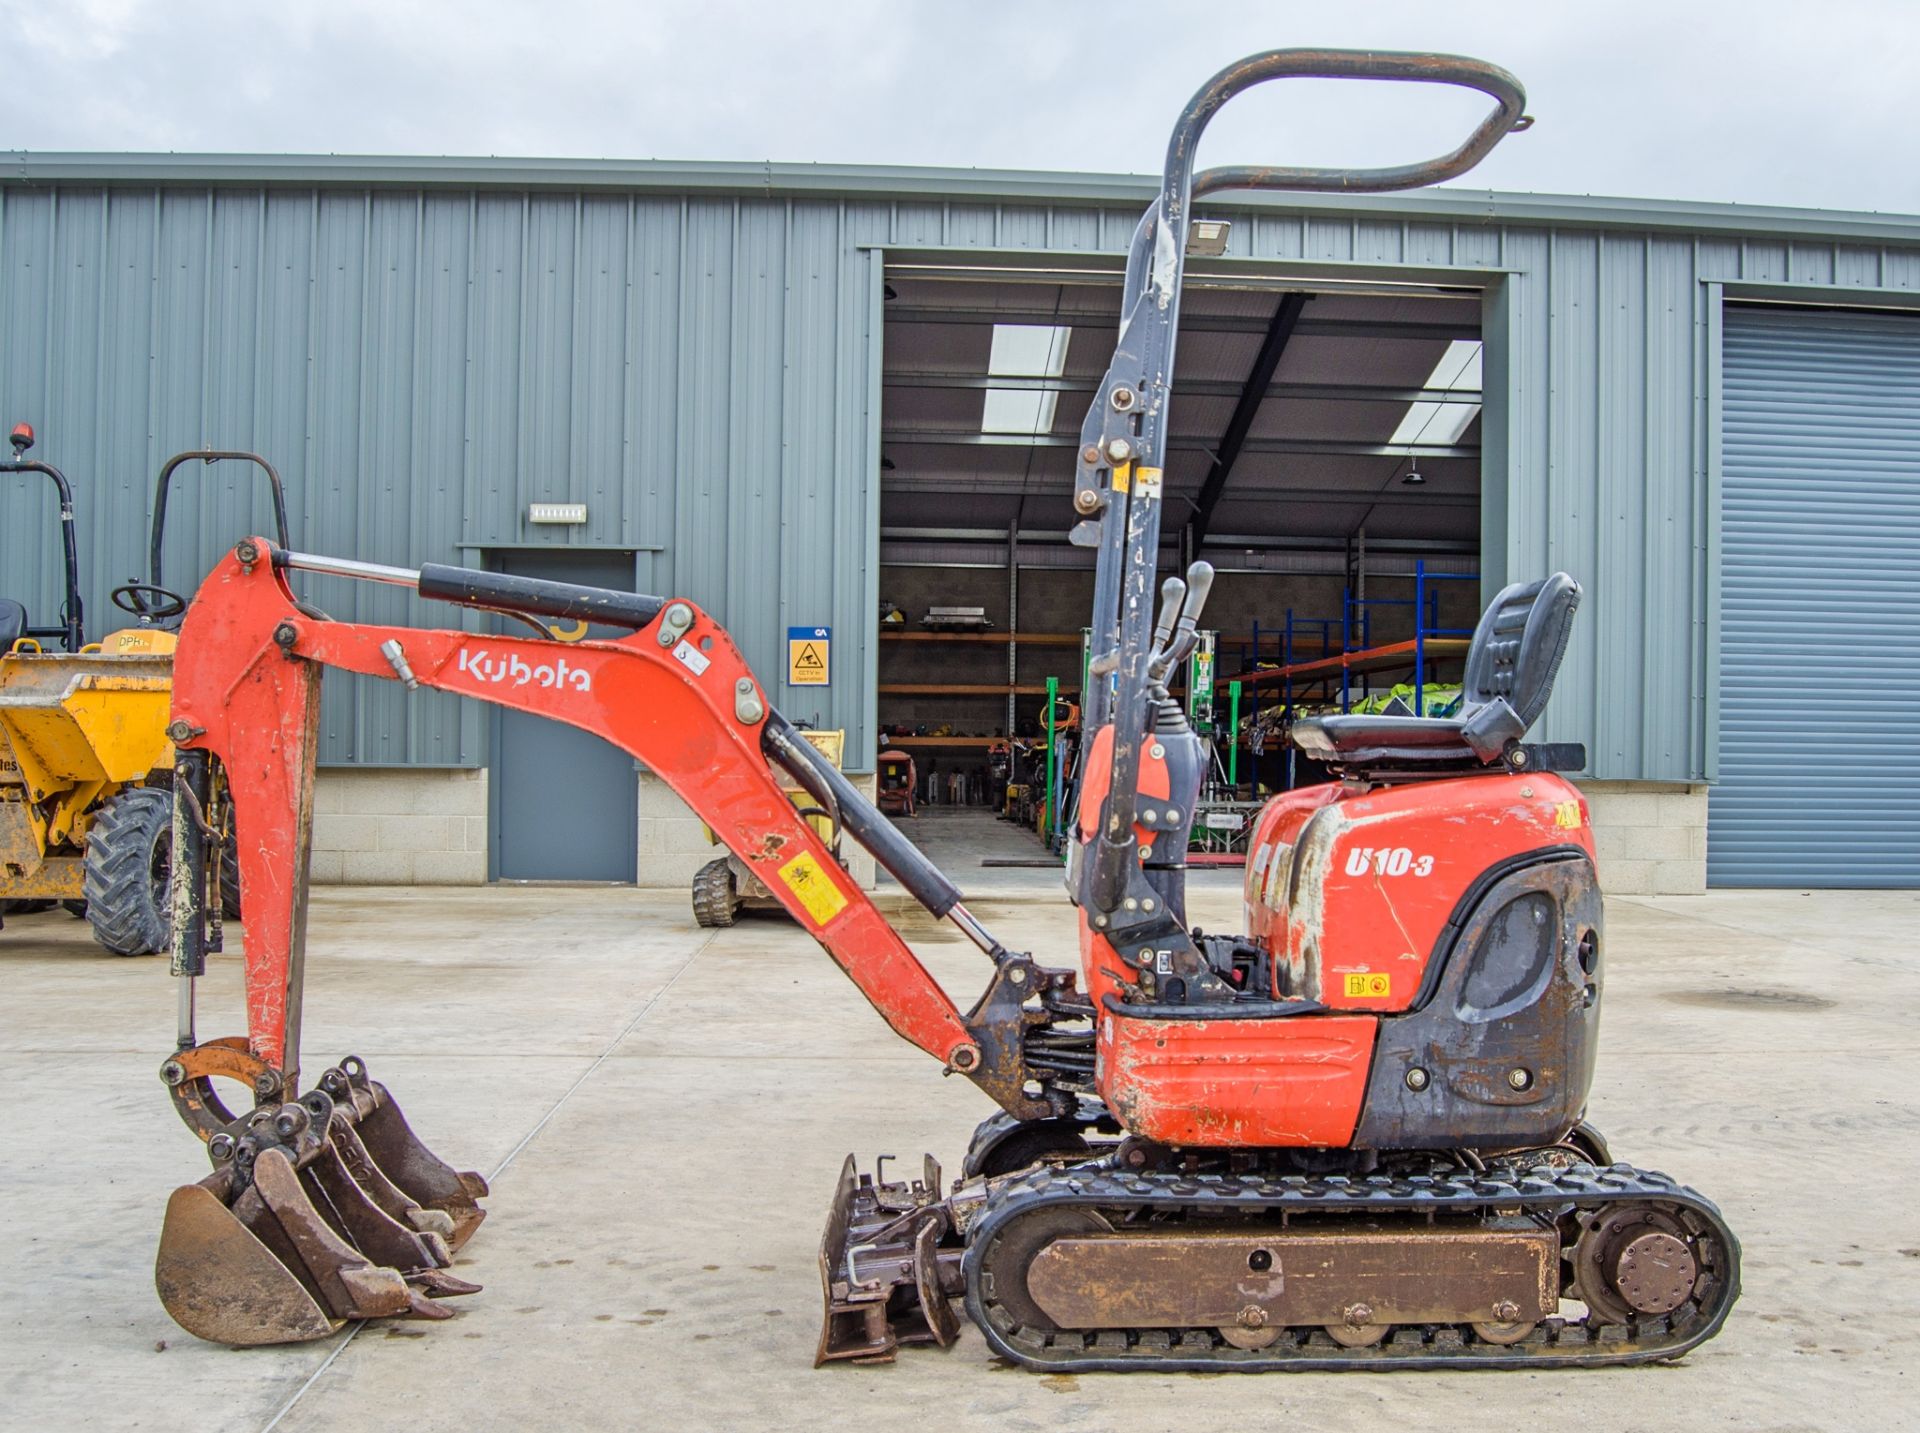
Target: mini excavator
[1351, 1137]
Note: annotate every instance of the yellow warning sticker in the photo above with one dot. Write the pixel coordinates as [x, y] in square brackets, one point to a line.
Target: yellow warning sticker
[1367, 985]
[807, 879]
[1567, 814]
[1123, 477]
[1149, 479]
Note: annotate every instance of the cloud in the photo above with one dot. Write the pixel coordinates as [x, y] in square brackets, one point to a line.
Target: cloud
[1749, 101]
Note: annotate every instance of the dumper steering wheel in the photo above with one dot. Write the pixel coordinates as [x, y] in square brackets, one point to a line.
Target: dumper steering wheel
[147, 602]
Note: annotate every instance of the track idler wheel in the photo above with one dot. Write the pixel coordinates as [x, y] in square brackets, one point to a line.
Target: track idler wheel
[1635, 1262]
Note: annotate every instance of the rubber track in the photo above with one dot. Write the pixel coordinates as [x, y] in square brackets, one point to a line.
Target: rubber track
[1556, 1343]
[117, 876]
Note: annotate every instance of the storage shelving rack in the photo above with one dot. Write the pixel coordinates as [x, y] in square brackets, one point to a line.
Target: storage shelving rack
[1356, 654]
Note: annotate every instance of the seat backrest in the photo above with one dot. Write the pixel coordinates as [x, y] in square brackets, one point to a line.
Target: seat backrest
[13, 623]
[1514, 657]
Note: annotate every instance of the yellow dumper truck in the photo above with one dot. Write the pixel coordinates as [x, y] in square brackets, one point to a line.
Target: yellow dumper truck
[86, 799]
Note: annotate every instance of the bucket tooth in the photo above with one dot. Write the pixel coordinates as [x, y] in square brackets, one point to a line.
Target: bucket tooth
[885, 1278]
[416, 1171]
[439, 1284]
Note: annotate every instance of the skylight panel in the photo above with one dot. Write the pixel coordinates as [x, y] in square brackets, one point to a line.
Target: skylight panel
[1430, 424]
[1024, 350]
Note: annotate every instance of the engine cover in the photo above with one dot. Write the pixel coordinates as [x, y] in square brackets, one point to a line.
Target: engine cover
[1354, 891]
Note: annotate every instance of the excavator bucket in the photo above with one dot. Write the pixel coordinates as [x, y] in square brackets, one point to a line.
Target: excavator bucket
[319, 1211]
[889, 1266]
[382, 1150]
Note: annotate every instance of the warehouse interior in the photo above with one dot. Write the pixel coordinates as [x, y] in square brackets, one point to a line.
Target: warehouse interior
[1325, 449]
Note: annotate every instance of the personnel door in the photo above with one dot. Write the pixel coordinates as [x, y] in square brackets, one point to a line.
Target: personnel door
[564, 803]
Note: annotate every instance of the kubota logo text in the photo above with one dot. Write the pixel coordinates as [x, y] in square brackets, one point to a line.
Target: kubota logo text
[516, 671]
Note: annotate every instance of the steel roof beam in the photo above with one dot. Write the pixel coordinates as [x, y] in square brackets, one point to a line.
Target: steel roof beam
[989, 536]
[970, 487]
[1189, 387]
[1192, 323]
[1233, 439]
[1329, 447]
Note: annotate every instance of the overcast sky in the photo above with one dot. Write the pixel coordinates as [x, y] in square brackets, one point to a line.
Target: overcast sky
[1763, 101]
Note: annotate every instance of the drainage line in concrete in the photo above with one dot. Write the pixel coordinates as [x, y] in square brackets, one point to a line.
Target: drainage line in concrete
[301, 1391]
[604, 1055]
[512, 1155]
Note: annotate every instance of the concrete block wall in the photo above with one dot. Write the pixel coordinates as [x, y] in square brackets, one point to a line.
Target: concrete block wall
[400, 826]
[673, 841]
[421, 826]
[416, 826]
[1650, 837]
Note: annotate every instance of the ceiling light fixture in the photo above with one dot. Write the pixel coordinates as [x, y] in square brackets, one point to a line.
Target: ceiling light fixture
[1207, 238]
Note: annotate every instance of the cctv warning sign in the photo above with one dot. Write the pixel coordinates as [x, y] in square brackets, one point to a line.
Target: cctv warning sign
[809, 656]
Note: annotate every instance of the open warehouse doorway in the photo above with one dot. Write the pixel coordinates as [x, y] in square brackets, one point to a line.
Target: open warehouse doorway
[1324, 456]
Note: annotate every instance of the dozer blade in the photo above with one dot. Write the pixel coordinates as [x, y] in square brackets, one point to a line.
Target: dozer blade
[889, 1266]
[298, 1230]
[414, 1171]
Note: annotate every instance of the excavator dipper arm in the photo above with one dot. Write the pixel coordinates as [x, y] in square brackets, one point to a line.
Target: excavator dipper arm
[676, 694]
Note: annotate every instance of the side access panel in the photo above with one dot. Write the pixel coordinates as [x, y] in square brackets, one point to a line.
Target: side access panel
[1501, 1052]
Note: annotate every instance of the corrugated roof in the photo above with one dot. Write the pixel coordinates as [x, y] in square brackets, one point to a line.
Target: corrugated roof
[1455, 205]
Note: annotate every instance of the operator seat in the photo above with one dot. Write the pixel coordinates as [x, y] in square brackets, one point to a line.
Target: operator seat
[1516, 651]
[13, 623]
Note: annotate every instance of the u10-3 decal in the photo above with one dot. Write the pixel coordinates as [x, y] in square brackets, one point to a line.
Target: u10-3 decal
[1387, 861]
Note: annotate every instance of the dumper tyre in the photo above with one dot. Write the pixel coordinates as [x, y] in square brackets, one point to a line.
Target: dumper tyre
[129, 856]
[716, 901]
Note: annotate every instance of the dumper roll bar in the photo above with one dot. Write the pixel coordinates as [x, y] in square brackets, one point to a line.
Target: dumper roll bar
[152, 601]
[71, 629]
[1117, 484]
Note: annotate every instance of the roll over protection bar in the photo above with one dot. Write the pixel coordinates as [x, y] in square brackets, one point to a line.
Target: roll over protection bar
[210, 456]
[72, 627]
[1123, 440]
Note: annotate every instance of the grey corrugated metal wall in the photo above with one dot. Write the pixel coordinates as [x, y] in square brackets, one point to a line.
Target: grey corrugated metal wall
[699, 369]
[1820, 649]
[421, 367]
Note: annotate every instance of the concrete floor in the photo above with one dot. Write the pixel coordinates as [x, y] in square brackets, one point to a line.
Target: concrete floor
[663, 1111]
